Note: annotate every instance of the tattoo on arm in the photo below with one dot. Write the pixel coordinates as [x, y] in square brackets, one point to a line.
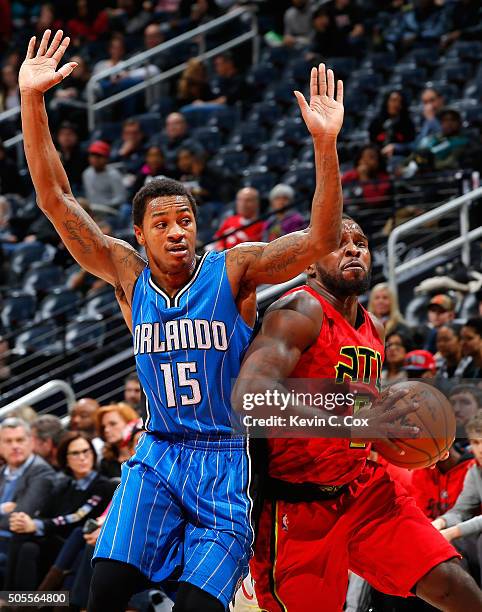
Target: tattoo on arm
[82, 229]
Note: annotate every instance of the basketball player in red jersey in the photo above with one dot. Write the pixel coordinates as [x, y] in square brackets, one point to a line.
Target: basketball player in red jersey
[326, 508]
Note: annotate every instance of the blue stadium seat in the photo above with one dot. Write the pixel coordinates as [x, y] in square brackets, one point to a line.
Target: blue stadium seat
[18, 308]
[470, 50]
[469, 307]
[300, 71]
[231, 158]
[275, 156]
[62, 304]
[150, 122]
[262, 75]
[380, 62]
[409, 76]
[292, 131]
[199, 116]
[473, 115]
[365, 81]
[282, 94]
[416, 310]
[427, 57]
[85, 333]
[109, 131]
[281, 56]
[249, 136]
[302, 179]
[28, 253]
[458, 73]
[102, 303]
[343, 67]
[40, 337]
[265, 113]
[209, 137]
[260, 179]
[42, 277]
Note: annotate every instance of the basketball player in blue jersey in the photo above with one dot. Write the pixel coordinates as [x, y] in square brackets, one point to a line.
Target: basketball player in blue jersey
[183, 504]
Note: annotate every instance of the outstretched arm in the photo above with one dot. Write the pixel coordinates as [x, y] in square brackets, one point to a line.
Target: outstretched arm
[113, 260]
[290, 255]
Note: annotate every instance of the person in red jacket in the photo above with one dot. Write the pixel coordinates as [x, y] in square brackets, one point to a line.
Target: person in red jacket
[436, 490]
[370, 176]
[247, 211]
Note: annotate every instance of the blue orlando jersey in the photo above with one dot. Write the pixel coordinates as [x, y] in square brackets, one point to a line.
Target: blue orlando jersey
[188, 348]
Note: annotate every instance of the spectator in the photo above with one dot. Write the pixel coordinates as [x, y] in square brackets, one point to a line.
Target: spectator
[247, 211]
[80, 494]
[465, 22]
[228, 85]
[47, 20]
[464, 519]
[370, 175]
[102, 184]
[88, 23]
[174, 134]
[193, 85]
[129, 16]
[9, 93]
[436, 489]
[466, 401]
[324, 42]
[24, 413]
[47, 431]
[114, 424]
[10, 179]
[471, 341]
[73, 159]
[347, 20]
[424, 23]
[449, 351]
[419, 364]
[392, 125]
[69, 98]
[5, 369]
[447, 146]
[197, 12]
[441, 310]
[83, 418]
[154, 166]
[153, 36]
[73, 88]
[397, 345]
[284, 221]
[25, 479]
[297, 24]
[204, 183]
[116, 52]
[133, 391]
[130, 149]
[383, 303]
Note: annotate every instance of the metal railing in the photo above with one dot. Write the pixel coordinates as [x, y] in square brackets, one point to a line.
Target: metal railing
[197, 35]
[50, 388]
[461, 204]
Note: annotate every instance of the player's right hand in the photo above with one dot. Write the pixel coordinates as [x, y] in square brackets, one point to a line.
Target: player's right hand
[384, 417]
[39, 71]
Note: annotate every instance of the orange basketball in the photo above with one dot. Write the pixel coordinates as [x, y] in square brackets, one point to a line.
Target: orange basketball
[436, 421]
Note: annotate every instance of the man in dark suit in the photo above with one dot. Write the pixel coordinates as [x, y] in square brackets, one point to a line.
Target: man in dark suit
[26, 480]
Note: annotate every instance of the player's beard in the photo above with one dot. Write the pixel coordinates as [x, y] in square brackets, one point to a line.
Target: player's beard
[340, 287]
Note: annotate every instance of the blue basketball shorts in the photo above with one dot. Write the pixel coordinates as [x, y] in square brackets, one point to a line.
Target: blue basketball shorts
[183, 504]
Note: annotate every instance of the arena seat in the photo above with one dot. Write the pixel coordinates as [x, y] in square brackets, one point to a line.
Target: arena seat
[416, 310]
[265, 113]
[61, 304]
[469, 307]
[262, 75]
[42, 276]
[86, 332]
[249, 135]
[209, 137]
[40, 337]
[28, 253]
[275, 156]
[292, 131]
[102, 302]
[259, 178]
[18, 308]
[231, 158]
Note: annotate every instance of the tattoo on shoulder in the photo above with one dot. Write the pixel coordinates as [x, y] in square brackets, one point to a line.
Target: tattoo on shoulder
[128, 258]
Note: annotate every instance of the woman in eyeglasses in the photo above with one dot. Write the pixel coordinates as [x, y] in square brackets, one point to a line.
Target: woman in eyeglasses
[80, 493]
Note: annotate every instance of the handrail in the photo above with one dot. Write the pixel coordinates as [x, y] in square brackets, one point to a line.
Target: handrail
[462, 203]
[53, 386]
[141, 58]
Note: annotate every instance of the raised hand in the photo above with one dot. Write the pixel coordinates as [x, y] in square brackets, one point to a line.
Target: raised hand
[39, 72]
[324, 114]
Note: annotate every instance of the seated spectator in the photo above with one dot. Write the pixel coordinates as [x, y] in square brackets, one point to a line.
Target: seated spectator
[441, 310]
[347, 20]
[370, 174]
[419, 364]
[448, 145]
[83, 419]
[47, 20]
[383, 303]
[173, 136]
[130, 149]
[204, 183]
[324, 42]
[465, 22]
[466, 401]
[393, 124]
[73, 88]
[228, 86]
[102, 183]
[10, 179]
[9, 93]
[47, 431]
[155, 166]
[114, 425]
[25, 479]
[73, 159]
[89, 22]
[464, 520]
[284, 221]
[424, 23]
[117, 52]
[194, 13]
[297, 24]
[133, 392]
[247, 211]
[153, 36]
[129, 16]
[193, 85]
[397, 345]
[69, 101]
[80, 493]
[449, 351]
[436, 489]
[471, 341]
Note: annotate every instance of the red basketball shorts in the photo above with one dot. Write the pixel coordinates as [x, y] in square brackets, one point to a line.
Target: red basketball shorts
[304, 550]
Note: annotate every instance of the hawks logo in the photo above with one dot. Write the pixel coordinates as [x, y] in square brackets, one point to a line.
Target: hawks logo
[359, 363]
[284, 522]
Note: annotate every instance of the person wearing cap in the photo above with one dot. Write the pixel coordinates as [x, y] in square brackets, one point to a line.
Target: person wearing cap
[441, 310]
[284, 220]
[102, 183]
[420, 364]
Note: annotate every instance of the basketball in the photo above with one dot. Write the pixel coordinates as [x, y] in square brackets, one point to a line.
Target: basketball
[434, 418]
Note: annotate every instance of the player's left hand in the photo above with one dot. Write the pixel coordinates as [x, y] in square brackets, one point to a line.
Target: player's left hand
[452, 533]
[324, 114]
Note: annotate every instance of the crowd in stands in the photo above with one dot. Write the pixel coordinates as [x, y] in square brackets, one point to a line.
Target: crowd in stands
[230, 131]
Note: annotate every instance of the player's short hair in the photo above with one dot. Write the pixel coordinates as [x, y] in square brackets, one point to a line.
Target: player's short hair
[156, 188]
[474, 425]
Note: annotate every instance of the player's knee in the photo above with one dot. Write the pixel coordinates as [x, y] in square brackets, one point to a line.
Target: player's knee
[191, 598]
[442, 583]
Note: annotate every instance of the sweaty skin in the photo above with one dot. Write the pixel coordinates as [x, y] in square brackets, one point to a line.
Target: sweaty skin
[169, 223]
